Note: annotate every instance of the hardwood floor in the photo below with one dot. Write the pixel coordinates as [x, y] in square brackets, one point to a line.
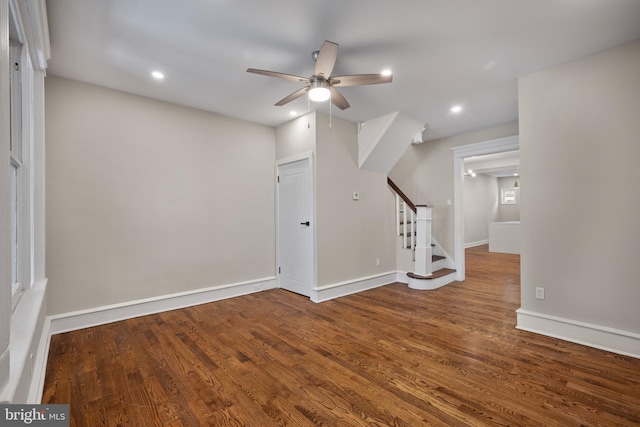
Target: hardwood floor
[390, 356]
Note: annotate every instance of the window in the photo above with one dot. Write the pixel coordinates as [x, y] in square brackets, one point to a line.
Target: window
[509, 196]
[17, 172]
[22, 177]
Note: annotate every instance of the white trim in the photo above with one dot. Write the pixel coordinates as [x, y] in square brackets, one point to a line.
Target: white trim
[491, 146]
[597, 336]
[37, 179]
[460, 152]
[478, 243]
[431, 284]
[295, 158]
[40, 364]
[401, 277]
[115, 312]
[35, 30]
[449, 263]
[348, 287]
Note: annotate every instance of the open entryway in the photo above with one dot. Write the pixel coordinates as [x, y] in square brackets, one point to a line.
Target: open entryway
[295, 227]
[460, 153]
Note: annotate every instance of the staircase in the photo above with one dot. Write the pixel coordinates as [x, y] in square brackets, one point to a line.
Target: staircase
[414, 231]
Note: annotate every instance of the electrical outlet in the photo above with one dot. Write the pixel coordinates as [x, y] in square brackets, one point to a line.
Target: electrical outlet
[377, 261]
[355, 195]
[540, 293]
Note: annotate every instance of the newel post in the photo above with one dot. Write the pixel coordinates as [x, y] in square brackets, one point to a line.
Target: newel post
[423, 241]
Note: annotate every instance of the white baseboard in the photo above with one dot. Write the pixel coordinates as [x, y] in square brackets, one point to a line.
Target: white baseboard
[401, 276]
[40, 364]
[337, 290]
[478, 243]
[112, 313]
[602, 337]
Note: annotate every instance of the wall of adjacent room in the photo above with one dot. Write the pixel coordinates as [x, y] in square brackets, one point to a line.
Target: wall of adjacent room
[480, 207]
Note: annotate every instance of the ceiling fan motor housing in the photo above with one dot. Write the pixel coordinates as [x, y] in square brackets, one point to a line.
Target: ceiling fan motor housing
[318, 81]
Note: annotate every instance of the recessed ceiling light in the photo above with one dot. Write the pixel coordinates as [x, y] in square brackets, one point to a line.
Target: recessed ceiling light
[516, 174]
[456, 108]
[386, 72]
[293, 113]
[157, 75]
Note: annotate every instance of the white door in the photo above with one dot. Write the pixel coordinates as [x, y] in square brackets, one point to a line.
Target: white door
[295, 229]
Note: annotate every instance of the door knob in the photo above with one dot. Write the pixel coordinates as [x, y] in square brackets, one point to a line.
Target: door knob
[305, 223]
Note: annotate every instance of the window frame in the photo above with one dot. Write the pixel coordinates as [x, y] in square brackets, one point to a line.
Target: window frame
[509, 199]
[20, 148]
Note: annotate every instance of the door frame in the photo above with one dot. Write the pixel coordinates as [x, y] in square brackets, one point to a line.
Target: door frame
[310, 160]
[460, 152]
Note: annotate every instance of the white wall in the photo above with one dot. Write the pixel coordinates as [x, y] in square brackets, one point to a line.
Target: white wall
[509, 212]
[351, 234]
[296, 137]
[480, 207]
[580, 212]
[147, 198]
[425, 174]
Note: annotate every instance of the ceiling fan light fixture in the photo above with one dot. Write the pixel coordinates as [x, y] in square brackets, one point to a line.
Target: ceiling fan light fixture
[319, 94]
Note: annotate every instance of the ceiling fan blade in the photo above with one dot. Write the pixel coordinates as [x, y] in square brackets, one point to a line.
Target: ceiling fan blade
[338, 100]
[359, 80]
[295, 95]
[278, 75]
[326, 59]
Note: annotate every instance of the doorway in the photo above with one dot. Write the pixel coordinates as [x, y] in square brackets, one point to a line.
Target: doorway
[295, 227]
[500, 145]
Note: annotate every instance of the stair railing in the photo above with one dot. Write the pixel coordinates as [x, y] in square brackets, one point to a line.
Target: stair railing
[420, 230]
[407, 226]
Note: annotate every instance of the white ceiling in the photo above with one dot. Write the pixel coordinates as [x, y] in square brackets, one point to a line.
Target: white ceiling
[498, 165]
[442, 52]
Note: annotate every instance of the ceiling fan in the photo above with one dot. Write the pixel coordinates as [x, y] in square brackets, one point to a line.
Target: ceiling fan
[321, 85]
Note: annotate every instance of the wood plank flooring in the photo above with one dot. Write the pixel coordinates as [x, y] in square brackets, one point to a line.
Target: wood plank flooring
[390, 356]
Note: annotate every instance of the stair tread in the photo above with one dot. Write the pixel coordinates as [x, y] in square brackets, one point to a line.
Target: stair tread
[436, 274]
[435, 258]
